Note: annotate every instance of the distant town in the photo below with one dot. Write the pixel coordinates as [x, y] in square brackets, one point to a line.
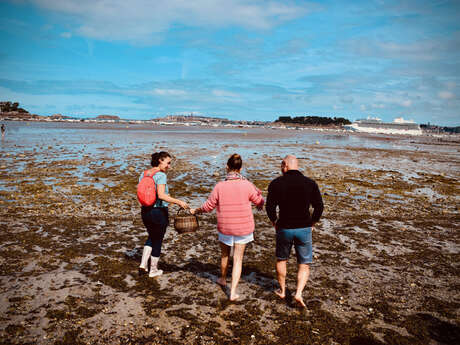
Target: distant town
[11, 111]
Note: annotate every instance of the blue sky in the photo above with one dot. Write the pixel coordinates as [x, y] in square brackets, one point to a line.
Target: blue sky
[238, 59]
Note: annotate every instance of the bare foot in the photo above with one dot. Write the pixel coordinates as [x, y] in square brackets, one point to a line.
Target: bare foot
[234, 297]
[299, 302]
[280, 294]
[222, 282]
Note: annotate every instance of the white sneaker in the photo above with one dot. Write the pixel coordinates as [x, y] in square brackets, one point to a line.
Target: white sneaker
[155, 273]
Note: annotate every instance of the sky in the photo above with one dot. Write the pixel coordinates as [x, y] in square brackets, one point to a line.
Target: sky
[235, 59]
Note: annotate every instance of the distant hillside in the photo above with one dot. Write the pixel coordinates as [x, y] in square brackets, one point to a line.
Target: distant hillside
[314, 120]
[60, 117]
[108, 117]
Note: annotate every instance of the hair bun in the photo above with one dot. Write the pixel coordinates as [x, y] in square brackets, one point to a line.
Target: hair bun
[235, 162]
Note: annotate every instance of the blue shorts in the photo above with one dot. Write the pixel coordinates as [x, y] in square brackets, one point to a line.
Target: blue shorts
[300, 238]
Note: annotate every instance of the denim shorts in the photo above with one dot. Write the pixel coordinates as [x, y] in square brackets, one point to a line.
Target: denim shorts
[230, 240]
[300, 238]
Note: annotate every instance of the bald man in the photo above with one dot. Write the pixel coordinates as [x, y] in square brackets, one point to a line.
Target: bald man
[293, 194]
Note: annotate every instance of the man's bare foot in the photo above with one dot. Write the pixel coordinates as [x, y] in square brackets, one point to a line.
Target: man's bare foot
[280, 294]
[234, 297]
[299, 302]
[222, 282]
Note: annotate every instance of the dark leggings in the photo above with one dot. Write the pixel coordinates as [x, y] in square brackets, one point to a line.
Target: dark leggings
[156, 221]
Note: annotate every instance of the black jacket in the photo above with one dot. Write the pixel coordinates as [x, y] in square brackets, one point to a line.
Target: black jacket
[293, 193]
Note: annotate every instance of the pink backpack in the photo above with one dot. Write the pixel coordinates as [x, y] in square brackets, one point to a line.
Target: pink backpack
[146, 190]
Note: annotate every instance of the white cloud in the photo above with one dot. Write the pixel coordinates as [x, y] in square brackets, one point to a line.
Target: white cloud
[168, 92]
[141, 21]
[223, 93]
[421, 50]
[406, 103]
[66, 35]
[446, 95]
[363, 107]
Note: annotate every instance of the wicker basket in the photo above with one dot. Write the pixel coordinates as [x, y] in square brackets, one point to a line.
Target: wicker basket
[185, 222]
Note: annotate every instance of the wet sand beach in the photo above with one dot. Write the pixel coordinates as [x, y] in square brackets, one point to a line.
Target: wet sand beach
[386, 252]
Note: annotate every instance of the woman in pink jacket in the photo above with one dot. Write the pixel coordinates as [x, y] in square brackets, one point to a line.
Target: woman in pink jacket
[235, 221]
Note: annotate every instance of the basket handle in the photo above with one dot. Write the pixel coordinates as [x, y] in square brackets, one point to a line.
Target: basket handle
[183, 209]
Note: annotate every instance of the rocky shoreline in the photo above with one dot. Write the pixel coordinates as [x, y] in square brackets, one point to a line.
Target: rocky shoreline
[387, 251]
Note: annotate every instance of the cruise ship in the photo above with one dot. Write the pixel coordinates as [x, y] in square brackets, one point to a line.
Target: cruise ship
[399, 126]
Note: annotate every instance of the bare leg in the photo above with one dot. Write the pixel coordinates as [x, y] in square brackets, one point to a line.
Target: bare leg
[238, 253]
[302, 278]
[281, 275]
[224, 253]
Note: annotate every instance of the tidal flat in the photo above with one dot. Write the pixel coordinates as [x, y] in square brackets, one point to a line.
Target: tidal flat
[386, 253]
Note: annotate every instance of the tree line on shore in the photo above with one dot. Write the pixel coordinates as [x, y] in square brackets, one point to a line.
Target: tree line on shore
[7, 107]
[440, 129]
[314, 120]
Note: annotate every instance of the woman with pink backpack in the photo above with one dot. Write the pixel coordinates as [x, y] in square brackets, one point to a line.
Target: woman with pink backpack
[154, 199]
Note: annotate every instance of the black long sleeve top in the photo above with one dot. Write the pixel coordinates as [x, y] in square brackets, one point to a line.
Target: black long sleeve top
[293, 193]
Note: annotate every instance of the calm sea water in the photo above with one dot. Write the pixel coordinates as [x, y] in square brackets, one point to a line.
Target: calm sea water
[122, 145]
[29, 135]
[52, 141]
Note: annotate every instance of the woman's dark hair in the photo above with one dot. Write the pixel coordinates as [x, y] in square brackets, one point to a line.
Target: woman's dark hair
[159, 156]
[235, 162]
